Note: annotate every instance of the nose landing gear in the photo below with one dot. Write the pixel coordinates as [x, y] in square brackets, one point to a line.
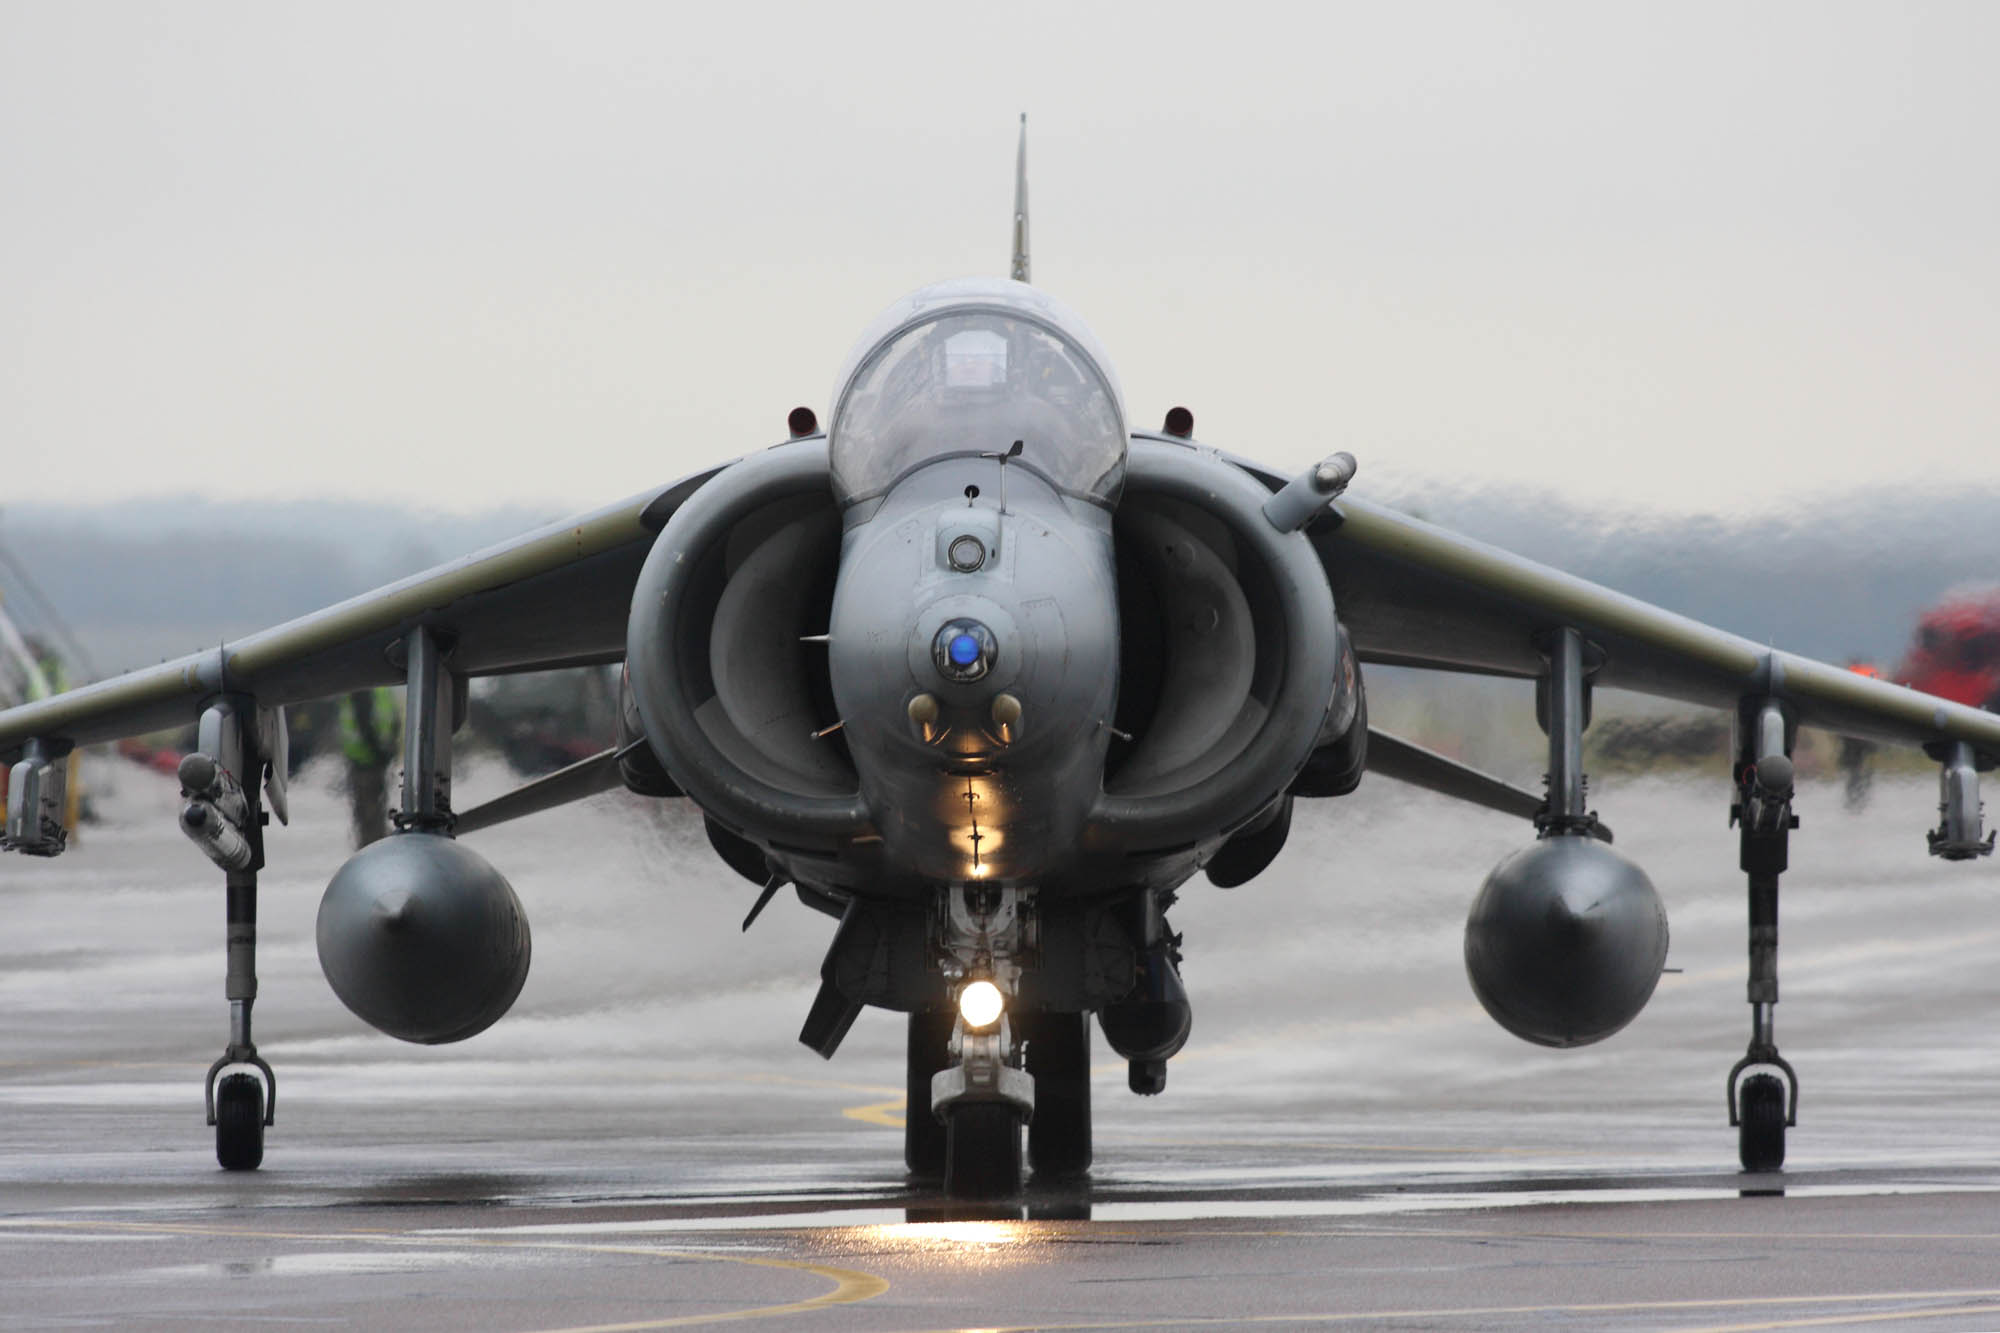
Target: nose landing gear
[980, 1094]
[983, 1100]
[977, 1076]
[1056, 1055]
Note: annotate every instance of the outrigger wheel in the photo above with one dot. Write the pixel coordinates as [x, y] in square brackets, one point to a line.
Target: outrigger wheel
[1760, 1134]
[239, 1122]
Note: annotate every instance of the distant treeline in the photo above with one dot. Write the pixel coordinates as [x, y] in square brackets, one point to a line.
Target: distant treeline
[140, 582]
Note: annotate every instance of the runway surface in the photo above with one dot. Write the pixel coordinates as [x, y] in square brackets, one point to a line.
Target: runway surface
[1347, 1141]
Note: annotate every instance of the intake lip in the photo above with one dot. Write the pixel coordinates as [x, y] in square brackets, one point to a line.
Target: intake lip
[718, 770]
[1236, 775]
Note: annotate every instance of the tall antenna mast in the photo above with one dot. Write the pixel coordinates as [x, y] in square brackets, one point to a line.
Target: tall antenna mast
[1020, 270]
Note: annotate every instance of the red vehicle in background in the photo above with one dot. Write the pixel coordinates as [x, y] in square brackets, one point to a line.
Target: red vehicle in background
[1956, 652]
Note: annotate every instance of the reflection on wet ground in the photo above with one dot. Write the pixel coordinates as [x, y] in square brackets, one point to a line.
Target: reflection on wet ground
[1347, 1137]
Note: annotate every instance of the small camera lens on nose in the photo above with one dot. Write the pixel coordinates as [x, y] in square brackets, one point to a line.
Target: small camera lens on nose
[966, 553]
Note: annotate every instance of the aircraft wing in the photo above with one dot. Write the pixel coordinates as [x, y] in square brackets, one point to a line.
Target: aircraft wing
[1414, 594]
[555, 597]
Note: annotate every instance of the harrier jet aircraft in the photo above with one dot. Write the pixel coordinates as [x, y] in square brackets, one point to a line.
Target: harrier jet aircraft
[988, 676]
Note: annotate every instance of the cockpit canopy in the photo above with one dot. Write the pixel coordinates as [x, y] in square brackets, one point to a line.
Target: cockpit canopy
[966, 369]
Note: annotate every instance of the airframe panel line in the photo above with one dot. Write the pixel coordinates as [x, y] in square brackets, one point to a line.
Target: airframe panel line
[851, 1285]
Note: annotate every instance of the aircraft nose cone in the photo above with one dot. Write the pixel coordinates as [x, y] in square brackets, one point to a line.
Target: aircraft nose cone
[963, 650]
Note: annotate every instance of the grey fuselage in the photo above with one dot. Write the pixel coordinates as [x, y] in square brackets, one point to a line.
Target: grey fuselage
[992, 777]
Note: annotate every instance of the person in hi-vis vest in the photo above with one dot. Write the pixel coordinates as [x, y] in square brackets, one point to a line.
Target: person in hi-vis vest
[371, 730]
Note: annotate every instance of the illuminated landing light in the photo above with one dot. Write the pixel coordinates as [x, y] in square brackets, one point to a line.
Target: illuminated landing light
[980, 1003]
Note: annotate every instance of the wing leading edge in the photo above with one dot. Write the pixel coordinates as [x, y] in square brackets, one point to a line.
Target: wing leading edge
[1413, 594]
[554, 597]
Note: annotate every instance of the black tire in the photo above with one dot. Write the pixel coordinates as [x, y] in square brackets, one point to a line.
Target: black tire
[1761, 1115]
[923, 1134]
[239, 1122]
[1059, 1058]
[982, 1158]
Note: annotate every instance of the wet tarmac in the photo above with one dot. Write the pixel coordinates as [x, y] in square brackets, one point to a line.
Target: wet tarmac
[1348, 1140]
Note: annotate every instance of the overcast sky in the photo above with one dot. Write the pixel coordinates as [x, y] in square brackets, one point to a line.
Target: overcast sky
[1687, 256]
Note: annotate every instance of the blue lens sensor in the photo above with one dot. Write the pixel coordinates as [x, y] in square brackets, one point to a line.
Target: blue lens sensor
[963, 650]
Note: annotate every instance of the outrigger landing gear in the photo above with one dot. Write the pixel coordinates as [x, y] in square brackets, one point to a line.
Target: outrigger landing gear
[1762, 1104]
[224, 817]
[239, 1105]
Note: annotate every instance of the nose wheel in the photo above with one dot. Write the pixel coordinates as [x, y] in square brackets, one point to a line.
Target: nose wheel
[982, 1151]
[979, 1091]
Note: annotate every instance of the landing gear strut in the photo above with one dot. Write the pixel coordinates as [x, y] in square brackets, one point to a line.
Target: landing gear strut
[1762, 1104]
[224, 817]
